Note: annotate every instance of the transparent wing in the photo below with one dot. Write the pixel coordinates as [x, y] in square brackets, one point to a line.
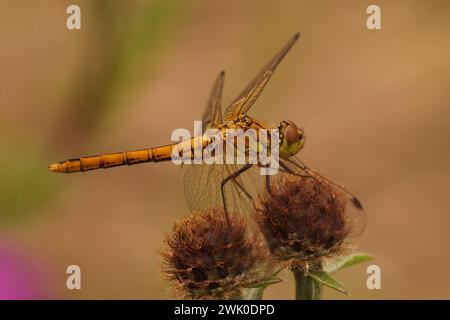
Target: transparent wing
[213, 112]
[354, 208]
[246, 99]
[202, 186]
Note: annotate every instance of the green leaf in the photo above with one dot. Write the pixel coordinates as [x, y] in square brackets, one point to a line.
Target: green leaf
[254, 290]
[346, 261]
[277, 272]
[327, 280]
[252, 294]
[264, 282]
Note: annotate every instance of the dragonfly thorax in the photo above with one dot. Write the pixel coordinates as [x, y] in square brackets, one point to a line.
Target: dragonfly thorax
[243, 122]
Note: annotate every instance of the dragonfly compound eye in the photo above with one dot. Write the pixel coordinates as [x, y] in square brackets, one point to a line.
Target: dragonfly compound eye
[291, 133]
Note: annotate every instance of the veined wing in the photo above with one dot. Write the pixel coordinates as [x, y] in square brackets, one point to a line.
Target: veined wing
[203, 184]
[246, 99]
[202, 187]
[213, 112]
[354, 208]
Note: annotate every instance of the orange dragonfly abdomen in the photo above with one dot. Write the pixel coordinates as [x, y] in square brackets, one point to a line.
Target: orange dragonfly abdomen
[103, 161]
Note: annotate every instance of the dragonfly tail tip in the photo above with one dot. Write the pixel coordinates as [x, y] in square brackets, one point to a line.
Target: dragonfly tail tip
[53, 167]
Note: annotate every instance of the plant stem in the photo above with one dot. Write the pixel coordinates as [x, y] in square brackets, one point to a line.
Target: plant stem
[306, 288]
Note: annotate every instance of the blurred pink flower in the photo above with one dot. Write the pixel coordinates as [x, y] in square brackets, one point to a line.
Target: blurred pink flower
[21, 277]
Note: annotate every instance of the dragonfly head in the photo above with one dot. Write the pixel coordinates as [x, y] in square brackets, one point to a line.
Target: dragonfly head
[292, 139]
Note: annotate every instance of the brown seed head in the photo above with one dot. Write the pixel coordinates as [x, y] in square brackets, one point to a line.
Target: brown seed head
[206, 258]
[303, 220]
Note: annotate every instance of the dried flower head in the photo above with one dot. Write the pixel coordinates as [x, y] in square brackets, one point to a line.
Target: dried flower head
[206, 258]
[303, 220]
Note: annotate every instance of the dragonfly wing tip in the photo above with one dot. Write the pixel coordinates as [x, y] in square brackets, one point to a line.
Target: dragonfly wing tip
[357, 203]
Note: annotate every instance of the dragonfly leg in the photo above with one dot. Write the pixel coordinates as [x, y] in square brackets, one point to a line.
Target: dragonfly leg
[268, 184]
[243, 189]
[290, 171]
[232, 176]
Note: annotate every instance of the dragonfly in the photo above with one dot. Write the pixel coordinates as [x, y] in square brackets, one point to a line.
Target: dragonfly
[229, 187]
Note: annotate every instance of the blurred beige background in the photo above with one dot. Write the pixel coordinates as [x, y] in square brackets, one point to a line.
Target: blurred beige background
[374, 105]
